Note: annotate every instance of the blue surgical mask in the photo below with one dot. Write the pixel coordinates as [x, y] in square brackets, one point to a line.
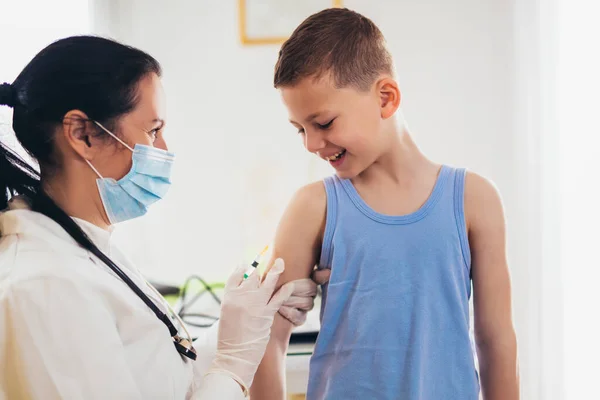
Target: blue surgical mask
[147, 182]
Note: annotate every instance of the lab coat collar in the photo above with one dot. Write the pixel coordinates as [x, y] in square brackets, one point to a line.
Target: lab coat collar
[18, 219]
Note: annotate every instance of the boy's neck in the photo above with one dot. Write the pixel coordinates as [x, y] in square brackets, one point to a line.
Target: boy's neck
[401, 163]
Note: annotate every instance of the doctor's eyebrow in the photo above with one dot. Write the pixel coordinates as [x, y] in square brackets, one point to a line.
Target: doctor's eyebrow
[161, 123]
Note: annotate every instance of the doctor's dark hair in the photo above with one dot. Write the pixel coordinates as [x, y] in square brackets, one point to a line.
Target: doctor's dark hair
[95, 75]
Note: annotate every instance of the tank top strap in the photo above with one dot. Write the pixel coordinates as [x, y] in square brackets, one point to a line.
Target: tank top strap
[332, 186]
[460, 175]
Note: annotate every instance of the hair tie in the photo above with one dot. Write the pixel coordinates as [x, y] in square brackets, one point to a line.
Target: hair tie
[8, 95]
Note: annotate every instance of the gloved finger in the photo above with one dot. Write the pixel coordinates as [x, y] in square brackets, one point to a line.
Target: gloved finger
[295, 316]
[236, 278]
[270, 280]
[305, 288]
[301, 303]
[281, 296]
[321, 276]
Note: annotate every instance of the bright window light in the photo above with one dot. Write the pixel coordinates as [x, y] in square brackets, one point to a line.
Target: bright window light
[578, 89]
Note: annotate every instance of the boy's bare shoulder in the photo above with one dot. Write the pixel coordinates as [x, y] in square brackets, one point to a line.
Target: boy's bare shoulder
[482, 199]
[479, 187]
[307, 208]
[311, 198]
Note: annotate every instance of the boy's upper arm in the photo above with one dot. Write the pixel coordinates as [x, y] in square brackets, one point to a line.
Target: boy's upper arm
[491, 279]
[299, 234]
[298, 242]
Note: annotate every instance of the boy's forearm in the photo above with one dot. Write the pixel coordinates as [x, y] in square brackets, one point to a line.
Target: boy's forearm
[269, 381]
[499, 370]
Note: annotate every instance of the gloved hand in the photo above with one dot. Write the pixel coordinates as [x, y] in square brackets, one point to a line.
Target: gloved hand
[303, 298]
[247, 313]
[300, 302]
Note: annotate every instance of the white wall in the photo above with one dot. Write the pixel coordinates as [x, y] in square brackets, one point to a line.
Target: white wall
[459, 65]
[25, 33]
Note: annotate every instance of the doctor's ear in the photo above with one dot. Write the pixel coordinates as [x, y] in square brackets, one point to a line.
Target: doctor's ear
[80, 134]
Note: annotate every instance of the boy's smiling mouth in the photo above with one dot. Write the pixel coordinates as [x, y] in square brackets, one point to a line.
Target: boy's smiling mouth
[336, 156]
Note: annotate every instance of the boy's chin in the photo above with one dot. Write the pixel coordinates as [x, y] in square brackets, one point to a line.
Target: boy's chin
[344, 174]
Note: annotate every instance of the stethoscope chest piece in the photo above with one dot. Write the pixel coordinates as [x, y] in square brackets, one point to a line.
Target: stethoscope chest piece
[184, 347]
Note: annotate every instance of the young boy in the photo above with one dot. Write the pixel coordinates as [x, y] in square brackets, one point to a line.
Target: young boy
[404, 238]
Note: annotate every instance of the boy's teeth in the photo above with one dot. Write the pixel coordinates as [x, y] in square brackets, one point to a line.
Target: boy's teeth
[335, 156]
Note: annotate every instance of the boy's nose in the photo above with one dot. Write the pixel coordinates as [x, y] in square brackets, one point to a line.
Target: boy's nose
[313, 142]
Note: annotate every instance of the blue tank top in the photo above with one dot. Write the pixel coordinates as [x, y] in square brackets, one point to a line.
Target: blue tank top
[395, 314]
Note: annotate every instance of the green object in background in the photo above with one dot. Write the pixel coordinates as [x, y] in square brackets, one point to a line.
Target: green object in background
[173, 293]
[194, 288]
[171, 299]
[169, 292]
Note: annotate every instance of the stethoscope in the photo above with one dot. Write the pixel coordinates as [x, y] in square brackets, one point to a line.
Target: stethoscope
[183, 345]
[46, 206]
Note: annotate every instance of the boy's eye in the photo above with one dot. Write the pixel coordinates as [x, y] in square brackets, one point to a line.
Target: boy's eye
[327, 125]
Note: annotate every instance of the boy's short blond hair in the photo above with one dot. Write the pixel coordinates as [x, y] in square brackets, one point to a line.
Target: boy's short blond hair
[338, 41]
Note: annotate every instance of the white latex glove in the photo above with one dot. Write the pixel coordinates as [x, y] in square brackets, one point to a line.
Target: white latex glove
[300, 302]
[247, 313]
[303, 298]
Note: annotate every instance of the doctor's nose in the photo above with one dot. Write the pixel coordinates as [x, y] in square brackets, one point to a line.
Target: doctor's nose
[160, 143]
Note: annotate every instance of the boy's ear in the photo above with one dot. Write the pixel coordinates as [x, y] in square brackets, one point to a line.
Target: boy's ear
[389, 96]
[77, 131]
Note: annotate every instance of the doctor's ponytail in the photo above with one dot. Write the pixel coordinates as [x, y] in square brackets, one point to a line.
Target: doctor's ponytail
[16, 175]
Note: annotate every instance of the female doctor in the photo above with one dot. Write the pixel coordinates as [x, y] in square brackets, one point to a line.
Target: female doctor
[77, 319]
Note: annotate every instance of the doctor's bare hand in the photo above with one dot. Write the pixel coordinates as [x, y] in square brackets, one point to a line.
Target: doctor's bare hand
[247, 313]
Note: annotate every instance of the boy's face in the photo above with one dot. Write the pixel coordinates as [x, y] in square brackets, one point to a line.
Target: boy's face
[341, 126]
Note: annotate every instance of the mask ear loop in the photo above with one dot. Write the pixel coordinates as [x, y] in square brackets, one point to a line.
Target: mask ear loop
[113, 135]
[94, 169]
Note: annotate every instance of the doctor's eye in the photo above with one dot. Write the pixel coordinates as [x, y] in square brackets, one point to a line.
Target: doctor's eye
[153, 133]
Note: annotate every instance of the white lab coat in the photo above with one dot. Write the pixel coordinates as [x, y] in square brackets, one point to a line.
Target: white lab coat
[71, 329]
